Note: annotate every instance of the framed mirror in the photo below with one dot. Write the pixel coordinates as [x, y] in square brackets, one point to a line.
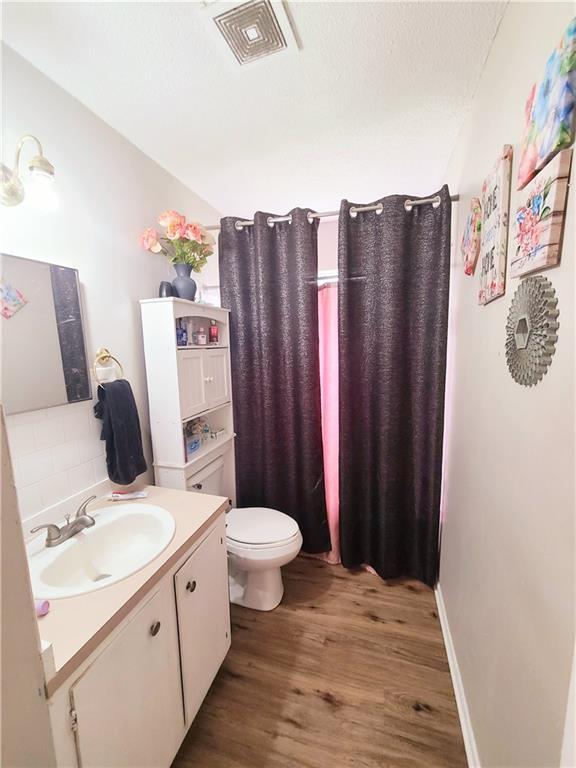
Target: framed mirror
[43, 349]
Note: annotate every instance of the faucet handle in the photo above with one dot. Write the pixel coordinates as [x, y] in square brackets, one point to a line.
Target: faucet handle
[53, 533]
[82, 508]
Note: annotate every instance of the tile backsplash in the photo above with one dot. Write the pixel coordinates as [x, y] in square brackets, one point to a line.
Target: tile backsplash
[56, 453]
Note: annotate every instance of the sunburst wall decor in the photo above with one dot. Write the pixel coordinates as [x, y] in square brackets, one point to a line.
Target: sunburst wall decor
[531, 330]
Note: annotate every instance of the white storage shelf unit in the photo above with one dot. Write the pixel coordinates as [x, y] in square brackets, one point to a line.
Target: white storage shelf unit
[185, 382]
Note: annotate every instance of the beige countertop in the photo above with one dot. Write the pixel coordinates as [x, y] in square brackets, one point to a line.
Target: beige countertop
[77, 625]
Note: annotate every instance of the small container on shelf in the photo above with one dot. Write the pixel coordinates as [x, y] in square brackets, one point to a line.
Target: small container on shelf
[201, 339]
[181, 333]
[213, 332]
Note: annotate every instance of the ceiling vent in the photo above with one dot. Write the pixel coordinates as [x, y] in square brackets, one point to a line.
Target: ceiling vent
[253, 30]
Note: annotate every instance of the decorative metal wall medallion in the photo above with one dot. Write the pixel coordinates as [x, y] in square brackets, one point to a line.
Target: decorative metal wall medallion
[531, 330]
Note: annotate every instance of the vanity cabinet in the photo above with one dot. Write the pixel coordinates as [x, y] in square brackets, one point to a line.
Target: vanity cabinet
[201, 587]
[133, 699]
[127, 706]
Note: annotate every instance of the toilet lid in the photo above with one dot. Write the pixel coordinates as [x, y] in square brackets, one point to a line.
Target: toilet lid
[259, 525]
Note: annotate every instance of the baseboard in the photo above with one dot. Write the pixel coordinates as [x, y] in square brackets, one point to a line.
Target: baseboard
[463, 713]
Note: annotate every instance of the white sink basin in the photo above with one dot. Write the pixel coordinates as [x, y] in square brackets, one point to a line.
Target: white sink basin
[126, 537]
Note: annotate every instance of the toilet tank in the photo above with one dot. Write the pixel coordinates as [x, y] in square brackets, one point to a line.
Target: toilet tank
[208, 479]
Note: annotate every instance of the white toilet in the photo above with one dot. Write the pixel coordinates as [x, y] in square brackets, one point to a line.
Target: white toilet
[259, 541]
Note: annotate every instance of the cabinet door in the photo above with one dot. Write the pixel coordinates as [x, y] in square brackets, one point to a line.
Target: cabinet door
[216, 377]
[191, 382]
[203, 617]
[128, 703]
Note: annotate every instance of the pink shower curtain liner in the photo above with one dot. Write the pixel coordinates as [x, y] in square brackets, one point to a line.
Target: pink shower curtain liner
[328, 332]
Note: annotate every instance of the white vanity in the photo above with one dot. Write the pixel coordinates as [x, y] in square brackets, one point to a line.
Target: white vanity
[130, 663]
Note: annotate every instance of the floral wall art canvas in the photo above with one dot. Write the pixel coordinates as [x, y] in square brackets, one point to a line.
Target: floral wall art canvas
[495, 203]
[539, 220]
[471, 237]
[550, 110]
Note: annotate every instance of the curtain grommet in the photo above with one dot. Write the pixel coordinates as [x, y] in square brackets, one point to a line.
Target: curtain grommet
[310, 217]
[379, 209]
[270, 222]
[408, 205]
[238, 226]
[353, 212]
[436, 202]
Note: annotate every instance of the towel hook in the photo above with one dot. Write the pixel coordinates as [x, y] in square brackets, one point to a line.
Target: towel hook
[104, 356]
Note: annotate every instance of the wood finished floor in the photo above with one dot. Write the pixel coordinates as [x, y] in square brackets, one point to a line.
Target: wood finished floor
[347, 671]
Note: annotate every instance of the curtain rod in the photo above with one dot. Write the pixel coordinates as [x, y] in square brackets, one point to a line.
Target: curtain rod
[354, 211]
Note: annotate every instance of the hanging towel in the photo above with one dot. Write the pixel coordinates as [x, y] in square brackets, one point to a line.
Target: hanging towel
[121, 431]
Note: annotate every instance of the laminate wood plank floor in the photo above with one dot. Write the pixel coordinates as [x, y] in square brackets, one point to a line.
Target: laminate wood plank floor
[347, 671]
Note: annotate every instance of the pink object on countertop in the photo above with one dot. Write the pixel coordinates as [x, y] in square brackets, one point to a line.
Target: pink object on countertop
[42, 607]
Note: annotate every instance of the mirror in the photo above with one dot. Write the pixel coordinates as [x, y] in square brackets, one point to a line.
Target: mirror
[43, 349]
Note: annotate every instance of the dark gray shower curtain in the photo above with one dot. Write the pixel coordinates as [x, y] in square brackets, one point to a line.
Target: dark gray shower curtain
[268, 281]
[392, 318]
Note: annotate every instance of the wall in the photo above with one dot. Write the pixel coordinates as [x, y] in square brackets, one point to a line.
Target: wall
[507, 570]
[108, 193]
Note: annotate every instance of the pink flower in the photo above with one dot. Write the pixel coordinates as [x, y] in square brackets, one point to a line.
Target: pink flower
[193, 231]
[149, 240]
[171, 219]
[527, 167]
[176, 230]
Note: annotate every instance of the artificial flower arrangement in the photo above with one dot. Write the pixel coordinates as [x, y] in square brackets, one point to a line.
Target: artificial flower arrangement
[184, 242]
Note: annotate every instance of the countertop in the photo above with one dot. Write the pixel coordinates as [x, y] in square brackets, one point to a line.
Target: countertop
[77, 625]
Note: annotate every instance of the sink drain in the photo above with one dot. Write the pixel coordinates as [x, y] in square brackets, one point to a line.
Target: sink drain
[102, 576]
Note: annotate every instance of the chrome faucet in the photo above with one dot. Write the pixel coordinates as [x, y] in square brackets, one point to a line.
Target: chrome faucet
[56, 535]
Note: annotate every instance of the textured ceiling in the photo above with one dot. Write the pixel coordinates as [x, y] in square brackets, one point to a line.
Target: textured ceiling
[370, 105]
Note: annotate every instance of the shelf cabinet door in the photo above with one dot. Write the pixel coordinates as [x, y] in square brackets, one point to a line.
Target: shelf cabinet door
[203, 617]
[191, 381]
[128, 703]
[216, 377]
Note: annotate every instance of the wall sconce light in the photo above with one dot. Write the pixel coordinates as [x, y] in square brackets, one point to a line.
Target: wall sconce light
[11, 186]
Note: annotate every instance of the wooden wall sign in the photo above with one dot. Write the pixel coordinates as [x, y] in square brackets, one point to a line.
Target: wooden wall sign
[471, 237]
[539, 220]
[495, 206]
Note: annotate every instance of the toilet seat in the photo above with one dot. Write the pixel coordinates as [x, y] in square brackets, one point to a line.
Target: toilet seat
[260, 528]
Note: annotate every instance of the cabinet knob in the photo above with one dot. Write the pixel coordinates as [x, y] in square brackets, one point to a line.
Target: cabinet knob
[155, 628]
[198, 486]
[191, 586]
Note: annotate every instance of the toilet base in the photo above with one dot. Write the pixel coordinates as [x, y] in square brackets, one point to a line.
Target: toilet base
[261, 590]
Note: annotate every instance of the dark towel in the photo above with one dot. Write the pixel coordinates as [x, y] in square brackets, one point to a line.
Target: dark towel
[121, 430]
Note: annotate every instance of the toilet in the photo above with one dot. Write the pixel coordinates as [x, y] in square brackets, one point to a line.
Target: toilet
[259, 542]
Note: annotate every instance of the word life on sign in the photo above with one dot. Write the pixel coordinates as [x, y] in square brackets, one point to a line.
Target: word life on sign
[495, 203]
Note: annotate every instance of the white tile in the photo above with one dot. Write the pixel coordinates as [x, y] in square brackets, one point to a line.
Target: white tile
[34, 467]
[100, 468]
[80, 477]
[53, 489]
[21, 439]
[49, 432]
[75, 424]
[29, 417]
[65, 456]
[89, 448]
[29, 500]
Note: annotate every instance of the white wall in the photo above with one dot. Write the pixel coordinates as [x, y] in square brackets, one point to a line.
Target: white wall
[109, 192]
[507, 570]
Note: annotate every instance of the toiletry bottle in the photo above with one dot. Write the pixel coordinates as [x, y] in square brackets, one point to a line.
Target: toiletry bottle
[213, 332]
[201, 336]
[181, 335]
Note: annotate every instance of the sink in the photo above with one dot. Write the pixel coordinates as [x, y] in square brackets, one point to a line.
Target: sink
[126, 537]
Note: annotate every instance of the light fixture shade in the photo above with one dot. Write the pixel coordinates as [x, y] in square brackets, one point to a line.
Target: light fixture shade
[39, 164]
[11, 187]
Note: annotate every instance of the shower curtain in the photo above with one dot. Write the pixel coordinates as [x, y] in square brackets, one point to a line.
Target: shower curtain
[392, 317]
[328, 331]
[268, 281]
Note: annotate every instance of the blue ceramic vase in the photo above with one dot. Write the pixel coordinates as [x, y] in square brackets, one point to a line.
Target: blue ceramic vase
[183, 285]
